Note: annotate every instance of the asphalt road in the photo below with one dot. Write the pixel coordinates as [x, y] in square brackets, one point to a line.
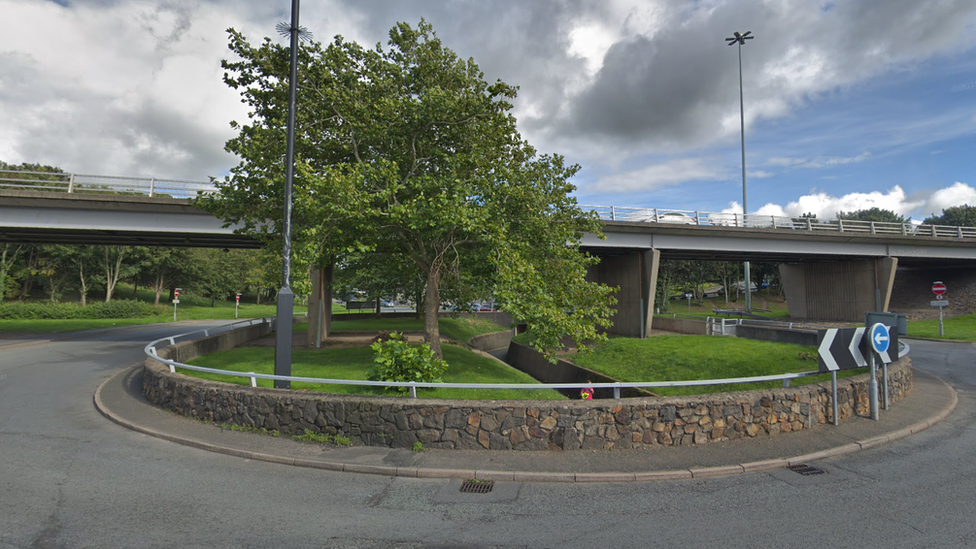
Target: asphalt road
[70, 478]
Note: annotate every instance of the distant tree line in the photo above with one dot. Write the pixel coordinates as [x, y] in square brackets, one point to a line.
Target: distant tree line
[80, 273]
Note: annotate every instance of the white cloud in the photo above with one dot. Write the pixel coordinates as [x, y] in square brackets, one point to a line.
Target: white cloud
[818, 162]
[660, 175]
[826, 206]
[955, 195]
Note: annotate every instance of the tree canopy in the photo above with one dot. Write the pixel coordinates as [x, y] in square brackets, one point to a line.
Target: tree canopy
[874, 214]
[958, 216]
[408, 149]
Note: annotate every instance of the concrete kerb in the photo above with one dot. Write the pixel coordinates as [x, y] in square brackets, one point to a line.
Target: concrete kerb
[527, 476]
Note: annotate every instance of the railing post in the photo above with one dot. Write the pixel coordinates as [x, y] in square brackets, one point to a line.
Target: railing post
[655, 216]
[697, 218]
[840, 225]
[413, 391]
[71, 182]
[616, 393]
[613, 214]
[872, 228]
[904, 229]
[809, 224]
[254, 380]
[959, 231]
[172, 369]
[152, 185]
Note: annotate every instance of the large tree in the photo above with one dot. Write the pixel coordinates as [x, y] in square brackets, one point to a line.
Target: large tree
[408, 149]
[957, 216]
[873, 214]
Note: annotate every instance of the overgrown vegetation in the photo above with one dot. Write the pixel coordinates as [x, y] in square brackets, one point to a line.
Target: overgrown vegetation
[312, 437]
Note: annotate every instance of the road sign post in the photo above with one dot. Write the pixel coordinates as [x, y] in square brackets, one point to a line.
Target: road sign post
[879, 337]
[176, 301]
[939, 289]
[237, 306]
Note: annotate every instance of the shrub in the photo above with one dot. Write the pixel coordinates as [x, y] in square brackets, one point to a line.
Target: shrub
[396, 360]
[34, 310]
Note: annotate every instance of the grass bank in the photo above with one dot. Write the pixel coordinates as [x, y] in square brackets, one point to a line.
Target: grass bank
[460, 329]
[687, 357]
[959, 328]
[353, 363]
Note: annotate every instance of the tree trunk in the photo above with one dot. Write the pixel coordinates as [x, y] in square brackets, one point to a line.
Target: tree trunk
[7, 260]
[432, 303]
[112, 273]
[159, 285]
[82, 285]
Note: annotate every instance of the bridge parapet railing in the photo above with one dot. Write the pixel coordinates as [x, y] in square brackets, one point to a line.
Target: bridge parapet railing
[775, 222]
[102, 184]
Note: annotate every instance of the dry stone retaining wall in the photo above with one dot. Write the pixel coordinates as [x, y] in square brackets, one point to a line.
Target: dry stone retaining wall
[513, 425]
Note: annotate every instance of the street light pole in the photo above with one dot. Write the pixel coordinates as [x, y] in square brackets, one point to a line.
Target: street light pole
[286, 298]
[740, 39]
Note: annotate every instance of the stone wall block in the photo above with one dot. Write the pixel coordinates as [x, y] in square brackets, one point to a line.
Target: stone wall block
[489, 422]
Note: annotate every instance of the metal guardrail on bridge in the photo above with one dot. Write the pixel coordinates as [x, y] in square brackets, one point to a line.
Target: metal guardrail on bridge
[761, 221]
[77, 183]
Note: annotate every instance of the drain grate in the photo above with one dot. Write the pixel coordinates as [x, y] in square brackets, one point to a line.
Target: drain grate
[475, 486]
[806, 470]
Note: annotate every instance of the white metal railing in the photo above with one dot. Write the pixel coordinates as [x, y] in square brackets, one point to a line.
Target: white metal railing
[153, 347]
[102, 184]
[760, 221]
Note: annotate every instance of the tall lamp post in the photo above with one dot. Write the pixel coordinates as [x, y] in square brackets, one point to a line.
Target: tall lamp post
[286, 297]
[740, 39]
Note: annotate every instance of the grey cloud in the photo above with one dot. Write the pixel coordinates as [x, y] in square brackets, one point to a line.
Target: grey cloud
[672, 90]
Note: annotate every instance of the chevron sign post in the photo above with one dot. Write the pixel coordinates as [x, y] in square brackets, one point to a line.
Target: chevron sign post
[850, 348]
[840, 349]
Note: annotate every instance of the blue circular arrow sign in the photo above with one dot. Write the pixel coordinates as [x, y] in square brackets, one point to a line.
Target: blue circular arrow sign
[880, 339]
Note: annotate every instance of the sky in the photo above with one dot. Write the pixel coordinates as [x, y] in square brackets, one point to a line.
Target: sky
[848, 104]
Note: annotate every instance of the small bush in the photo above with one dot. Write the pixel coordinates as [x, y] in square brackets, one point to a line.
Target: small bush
[396, 360]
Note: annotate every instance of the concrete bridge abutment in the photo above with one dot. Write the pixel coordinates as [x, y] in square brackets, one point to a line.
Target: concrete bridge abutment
[635, 274]
[838, 290]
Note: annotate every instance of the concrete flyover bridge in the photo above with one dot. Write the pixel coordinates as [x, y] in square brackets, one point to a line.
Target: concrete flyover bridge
[66, 208]
[830, 269]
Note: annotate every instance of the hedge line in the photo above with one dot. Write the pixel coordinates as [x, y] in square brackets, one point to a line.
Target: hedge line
[46, 310]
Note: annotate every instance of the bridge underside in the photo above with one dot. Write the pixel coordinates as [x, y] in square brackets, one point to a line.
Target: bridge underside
[116, 237]
[32, 217]
[822, 289]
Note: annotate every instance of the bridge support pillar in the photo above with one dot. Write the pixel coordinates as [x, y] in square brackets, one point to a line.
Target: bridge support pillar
[320, 305]
[635, 273]
[838, 290]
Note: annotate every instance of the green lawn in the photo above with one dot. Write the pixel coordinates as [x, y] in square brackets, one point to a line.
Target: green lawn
[460, 329]
[352, 363]
[961, 328]
[686, 357]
